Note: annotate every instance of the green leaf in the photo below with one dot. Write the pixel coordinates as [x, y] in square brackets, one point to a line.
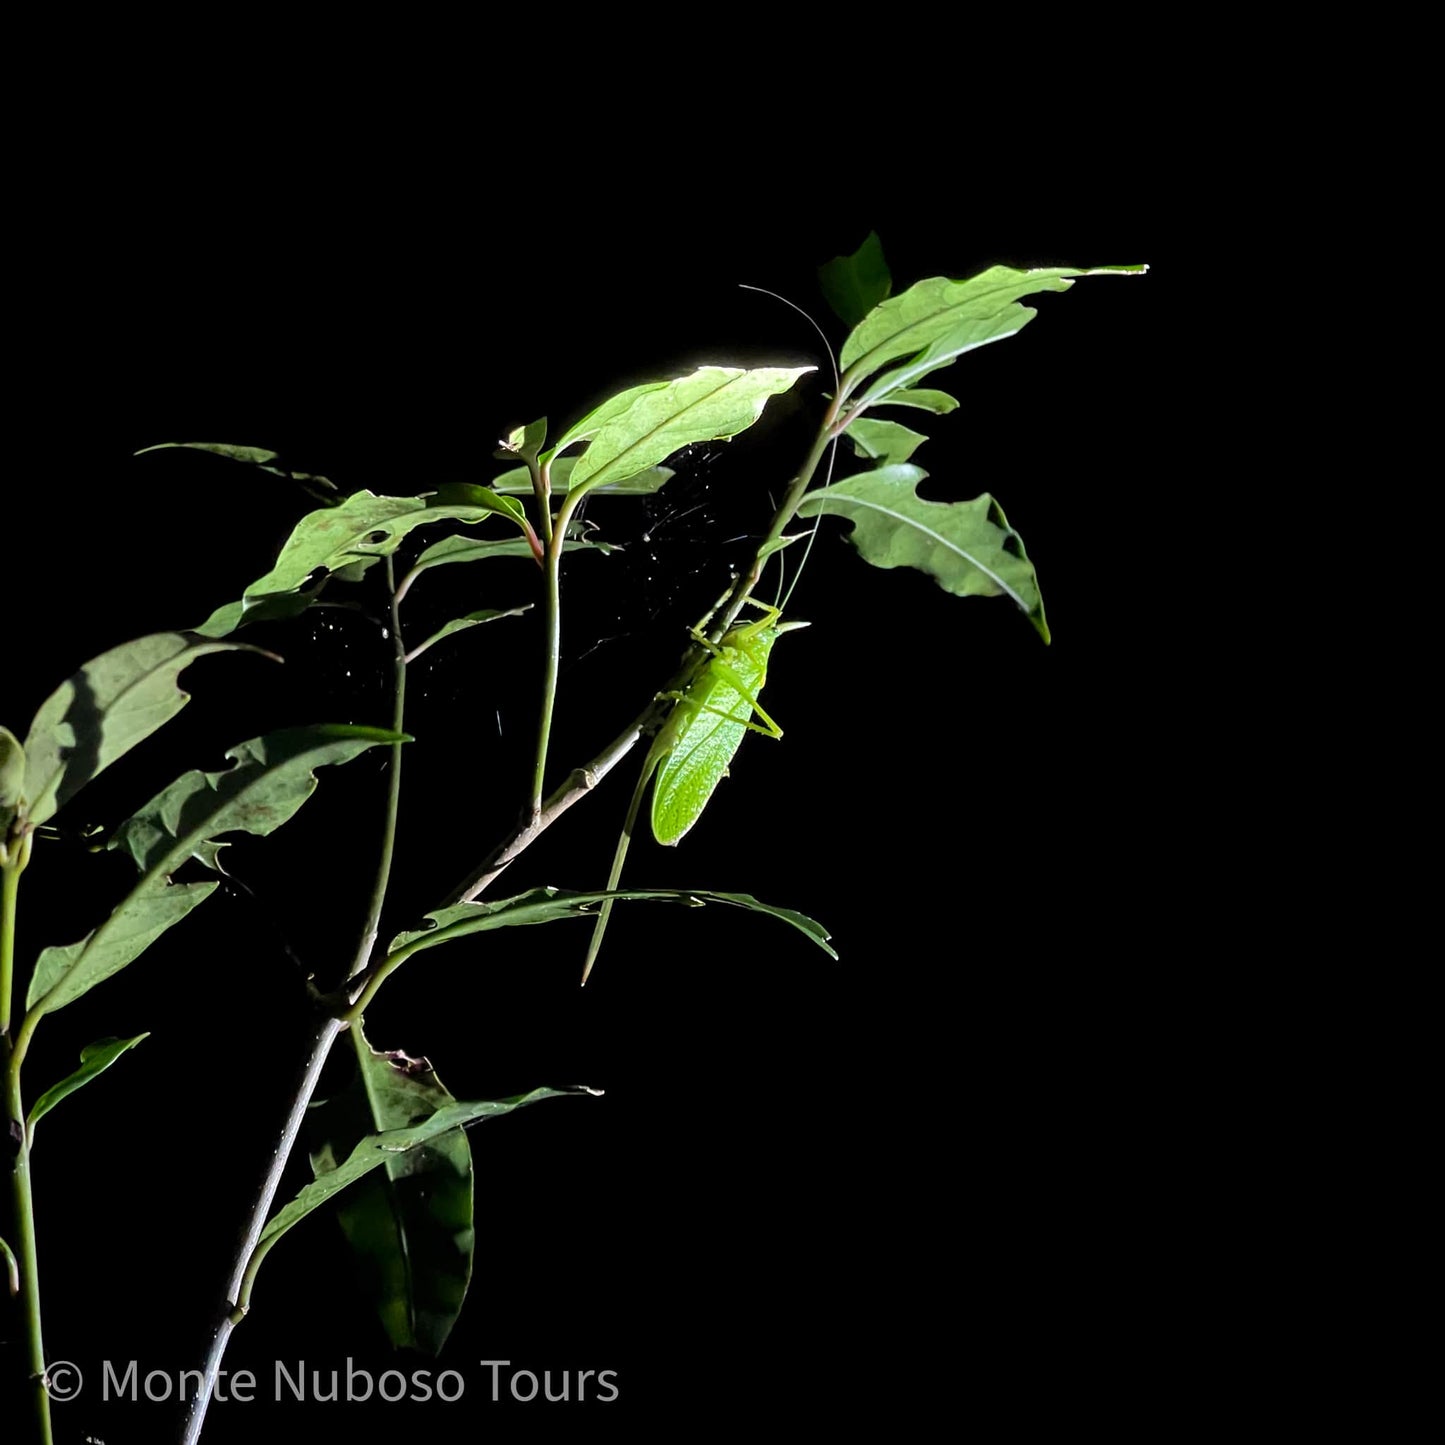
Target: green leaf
[968, 548]
[277, 608]
[642, 427]
[778, 543]
[461, 624]
[523, 441]
[545, 905]
[64, 972]
[466, 549]
[600, 416]
[518, 481]
[256, 456]
[378, 1149]
[95, 1059]
[98, 715]
[854, 285]
[12, 778]
[886, 442]
[411, 1222]
[271, 778]
[946, 318]
[362, 527]
[938, 402]
[321, 487]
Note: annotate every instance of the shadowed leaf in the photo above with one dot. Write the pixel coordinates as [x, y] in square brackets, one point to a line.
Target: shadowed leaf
[272, 777]
[378, 1149]
[854, 285]
[410, 1222]
[100, 713]
[323, 488]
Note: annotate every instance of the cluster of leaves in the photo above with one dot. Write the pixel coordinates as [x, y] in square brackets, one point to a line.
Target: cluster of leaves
[396, 1134]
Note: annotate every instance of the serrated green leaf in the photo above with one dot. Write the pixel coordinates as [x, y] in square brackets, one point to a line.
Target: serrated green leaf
[362, 527]
[95, 1059]
[886, 442]
[100, 713]
[968, 548]
[272, 777]
[462, 624]
[948, 318]
[854, 285]
[518, 481]
[647, 424]
[377, 1149]
[938, 402]
[410, 1223]
[545, 905]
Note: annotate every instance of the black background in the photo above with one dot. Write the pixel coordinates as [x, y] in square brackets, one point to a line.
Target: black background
[926, 1177]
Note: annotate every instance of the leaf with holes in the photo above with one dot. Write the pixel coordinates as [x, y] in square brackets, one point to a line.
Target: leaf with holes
[410, 1222]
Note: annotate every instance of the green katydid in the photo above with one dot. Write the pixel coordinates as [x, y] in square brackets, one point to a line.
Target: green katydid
[692, 750]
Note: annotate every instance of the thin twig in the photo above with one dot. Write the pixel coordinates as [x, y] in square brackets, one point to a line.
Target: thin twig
[323, 1037]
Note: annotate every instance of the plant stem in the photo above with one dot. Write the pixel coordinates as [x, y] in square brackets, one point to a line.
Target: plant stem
[9, 892]
[249, 1255]
[24, 1205]
[827, 434]
[322, 1039]
[554, 655]
[580, 782]
[18, 1137]
[540, 816]
[393, 796]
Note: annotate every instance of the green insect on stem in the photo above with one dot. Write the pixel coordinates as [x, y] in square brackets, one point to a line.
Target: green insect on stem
[691, 752]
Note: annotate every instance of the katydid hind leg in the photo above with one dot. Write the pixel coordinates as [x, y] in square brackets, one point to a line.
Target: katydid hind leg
[599, 929]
